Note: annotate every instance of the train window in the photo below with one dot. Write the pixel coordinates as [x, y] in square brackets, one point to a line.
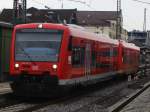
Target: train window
[93, 59]
[82, 56]
[78, 55]
[38, 45]
[115, 52]
[70, 44]
[104, 65]
[127, 56]
[104, 53]
[109, 53]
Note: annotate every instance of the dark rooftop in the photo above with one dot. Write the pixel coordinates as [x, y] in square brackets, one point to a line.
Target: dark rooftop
[59, 15]
[96, 17]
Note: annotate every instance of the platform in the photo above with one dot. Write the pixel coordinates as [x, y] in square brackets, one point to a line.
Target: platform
[4, 87]
[140, 104]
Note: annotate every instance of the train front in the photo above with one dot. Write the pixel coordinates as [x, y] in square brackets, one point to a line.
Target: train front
[35, 58]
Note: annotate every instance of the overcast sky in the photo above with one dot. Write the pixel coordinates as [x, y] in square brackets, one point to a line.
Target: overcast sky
[133, 12]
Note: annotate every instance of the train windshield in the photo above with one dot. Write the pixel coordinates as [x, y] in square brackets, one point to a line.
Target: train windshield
[37, 45]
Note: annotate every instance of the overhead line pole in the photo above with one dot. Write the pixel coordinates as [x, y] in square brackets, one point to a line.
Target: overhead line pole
[142, 2]
[24, 10]
[15, 11]
[19, 11]
[144, 24]
[118, 25]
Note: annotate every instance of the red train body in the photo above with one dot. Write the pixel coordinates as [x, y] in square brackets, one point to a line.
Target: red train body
[60, 55]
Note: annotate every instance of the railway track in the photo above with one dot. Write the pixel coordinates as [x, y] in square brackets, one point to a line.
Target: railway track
[103, 95]
[75, 102]
[6, 96]
[8, 100]
[33, 105]
[28, 106]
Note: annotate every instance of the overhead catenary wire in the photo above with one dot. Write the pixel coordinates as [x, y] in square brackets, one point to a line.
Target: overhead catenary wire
[142, 2]
[83, 2]
[77, 1]
[38, 2]
[47, 7]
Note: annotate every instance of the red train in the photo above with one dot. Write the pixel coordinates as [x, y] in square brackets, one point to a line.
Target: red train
[48, 56]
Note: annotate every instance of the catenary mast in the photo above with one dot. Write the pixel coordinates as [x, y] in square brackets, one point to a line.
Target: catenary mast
[118, 26]
[19, 11]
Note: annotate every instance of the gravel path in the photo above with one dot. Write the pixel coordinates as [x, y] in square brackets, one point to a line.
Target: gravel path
[87, 102]
[98, 101]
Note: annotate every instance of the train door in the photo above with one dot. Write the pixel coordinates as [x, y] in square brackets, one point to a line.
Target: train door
[87, 60]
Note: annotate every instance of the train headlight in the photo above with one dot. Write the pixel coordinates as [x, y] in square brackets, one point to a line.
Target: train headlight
[40, 26]
[16, 65]
[54, 66]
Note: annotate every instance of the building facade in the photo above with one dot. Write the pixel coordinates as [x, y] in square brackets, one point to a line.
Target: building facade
[137, 37]
[100, 22]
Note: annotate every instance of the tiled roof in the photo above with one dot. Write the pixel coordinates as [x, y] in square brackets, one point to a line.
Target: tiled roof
[6, 15]
[52, 15]
[137, 43]
[96, 17]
